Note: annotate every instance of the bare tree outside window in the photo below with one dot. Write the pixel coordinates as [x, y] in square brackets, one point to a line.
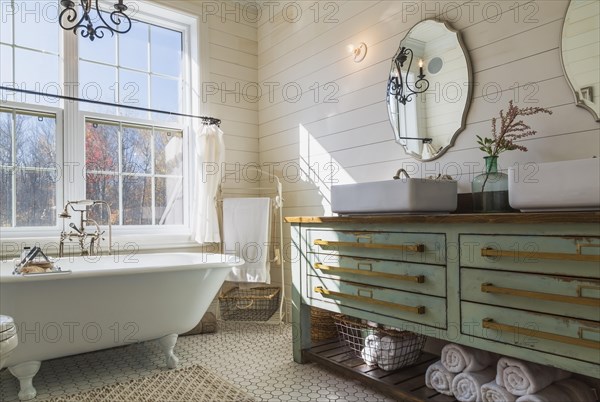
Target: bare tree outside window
[137, 170]
[28, 169]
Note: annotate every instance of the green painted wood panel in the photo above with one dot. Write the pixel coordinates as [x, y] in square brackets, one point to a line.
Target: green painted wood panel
[473, 315]
[434, 276]
[434, 252]
[472, 279]
[434, 307]
[523, 259]
[550, 237]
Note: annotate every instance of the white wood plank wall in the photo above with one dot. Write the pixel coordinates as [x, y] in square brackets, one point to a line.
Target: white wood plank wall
[232, 49]
[515, 51]
[322, 119]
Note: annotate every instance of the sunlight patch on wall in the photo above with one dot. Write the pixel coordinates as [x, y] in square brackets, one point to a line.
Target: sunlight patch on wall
[319, 169]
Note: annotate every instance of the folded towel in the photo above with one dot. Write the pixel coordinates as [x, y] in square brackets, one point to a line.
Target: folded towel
[439, 379]
[246, 223]
[525, 378]
[458, 358]
[553, 393]
[466, 386]
[492, 392]
[578, 391]
[369, 355]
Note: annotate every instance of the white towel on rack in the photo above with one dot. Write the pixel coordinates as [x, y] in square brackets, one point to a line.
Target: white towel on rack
[246, 223]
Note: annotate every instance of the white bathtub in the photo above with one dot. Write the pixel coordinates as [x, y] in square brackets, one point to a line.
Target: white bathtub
[106, 302]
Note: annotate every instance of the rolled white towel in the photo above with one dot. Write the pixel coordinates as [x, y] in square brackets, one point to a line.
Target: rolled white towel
[372, 341]
[578, 391]
[369, 355]
[388, 344]
[553, 393]
[492, 392]
[466, 386]
[438, 378]
[526, 378]
[458, 358]
[386, 359]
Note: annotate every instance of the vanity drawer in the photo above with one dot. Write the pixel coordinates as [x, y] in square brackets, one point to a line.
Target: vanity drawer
[409, 276]
[571, 256]
[558, 295]
[577, 339]
[427, 248]
[413, 307]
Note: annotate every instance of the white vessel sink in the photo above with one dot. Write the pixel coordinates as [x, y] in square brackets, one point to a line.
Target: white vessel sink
[394, 196]
[555, 186]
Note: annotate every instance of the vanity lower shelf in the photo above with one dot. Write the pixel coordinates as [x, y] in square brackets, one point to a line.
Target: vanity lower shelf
[405, 384]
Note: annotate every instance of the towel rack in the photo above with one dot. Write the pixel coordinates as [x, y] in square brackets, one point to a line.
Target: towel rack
[278, 203]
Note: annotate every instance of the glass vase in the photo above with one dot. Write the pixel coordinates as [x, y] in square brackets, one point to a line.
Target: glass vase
[490, 189]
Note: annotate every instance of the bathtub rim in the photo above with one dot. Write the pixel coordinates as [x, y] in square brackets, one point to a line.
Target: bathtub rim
[91, 269]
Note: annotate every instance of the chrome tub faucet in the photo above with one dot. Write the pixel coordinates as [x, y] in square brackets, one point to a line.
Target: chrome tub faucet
[88, 242]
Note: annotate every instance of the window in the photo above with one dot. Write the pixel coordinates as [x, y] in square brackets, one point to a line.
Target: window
[28, 168]
[137, 170]
[54, 150]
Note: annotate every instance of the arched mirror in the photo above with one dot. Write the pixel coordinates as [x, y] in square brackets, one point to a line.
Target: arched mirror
[581, 53]
[429, 89]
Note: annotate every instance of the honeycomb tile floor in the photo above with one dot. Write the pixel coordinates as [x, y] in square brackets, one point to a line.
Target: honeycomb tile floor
[256, 357]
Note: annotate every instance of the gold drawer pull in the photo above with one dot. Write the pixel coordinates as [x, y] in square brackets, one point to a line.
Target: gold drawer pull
[584, 301]
[335, 270]
[411, 309]
[490, 252]
[419, 248]
[489, 323]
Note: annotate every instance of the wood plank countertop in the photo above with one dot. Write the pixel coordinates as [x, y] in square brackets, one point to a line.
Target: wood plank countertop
[522, 217]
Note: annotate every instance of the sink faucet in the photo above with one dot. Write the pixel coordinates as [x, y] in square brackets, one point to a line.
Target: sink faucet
[399, 172]
[88, 242]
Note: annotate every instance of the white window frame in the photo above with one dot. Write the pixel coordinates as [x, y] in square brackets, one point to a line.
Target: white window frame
[71, 143]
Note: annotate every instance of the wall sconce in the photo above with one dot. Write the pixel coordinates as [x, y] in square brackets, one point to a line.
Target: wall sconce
[360, 52]
[398, 85]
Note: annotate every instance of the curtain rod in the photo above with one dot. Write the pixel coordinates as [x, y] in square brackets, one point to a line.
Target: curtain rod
[205, 119]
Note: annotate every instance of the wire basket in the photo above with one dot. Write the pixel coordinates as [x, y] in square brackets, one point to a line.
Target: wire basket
[322, 325]
[386, 348]
[254, 304]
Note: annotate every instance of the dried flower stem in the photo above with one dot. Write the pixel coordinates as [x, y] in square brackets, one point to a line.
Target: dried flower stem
[510, 131]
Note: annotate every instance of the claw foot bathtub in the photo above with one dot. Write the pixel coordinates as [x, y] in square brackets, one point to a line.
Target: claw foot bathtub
[106, 302]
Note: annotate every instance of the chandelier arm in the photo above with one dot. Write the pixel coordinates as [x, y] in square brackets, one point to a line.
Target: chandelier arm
[116, 18]
[70, 14]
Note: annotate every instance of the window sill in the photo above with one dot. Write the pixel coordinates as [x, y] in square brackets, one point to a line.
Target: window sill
[125, 242]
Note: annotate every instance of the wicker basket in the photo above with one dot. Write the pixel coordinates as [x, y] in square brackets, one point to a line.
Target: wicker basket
[389, 349]
[255, 304]
[322, 325]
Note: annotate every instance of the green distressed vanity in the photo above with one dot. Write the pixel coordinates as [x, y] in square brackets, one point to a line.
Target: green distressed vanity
[523, 284]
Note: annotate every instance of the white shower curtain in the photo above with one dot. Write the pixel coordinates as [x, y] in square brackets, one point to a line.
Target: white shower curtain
[210, 155]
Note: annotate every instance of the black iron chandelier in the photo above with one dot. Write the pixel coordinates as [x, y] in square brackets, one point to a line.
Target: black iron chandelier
[70, 19]
[398, 86]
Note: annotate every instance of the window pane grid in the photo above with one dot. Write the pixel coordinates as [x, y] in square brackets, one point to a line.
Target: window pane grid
[142, 189]
[156, 178]
[32, 180]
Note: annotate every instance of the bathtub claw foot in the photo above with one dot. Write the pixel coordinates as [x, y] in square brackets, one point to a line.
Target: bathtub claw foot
[167, 345]
[25, 373]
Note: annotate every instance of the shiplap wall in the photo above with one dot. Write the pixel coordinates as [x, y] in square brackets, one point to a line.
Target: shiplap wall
[515, 52]
[232, 50]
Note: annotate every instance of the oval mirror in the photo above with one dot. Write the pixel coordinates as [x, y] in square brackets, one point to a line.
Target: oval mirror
[580, 52]
[429, 89]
